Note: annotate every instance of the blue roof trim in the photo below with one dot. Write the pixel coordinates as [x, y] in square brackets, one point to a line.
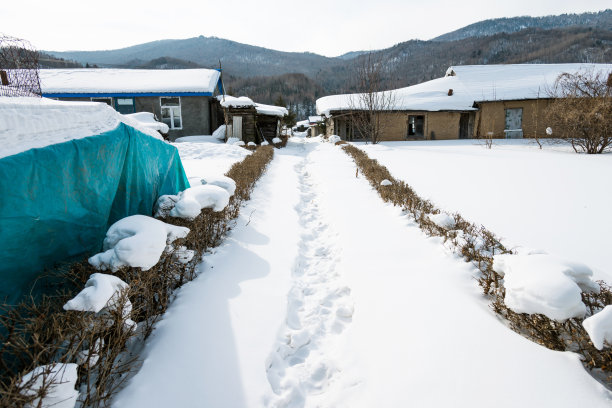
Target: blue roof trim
[122, 94]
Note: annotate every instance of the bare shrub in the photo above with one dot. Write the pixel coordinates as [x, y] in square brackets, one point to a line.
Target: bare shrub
[581, 113]
[478, 245]
[372, 101]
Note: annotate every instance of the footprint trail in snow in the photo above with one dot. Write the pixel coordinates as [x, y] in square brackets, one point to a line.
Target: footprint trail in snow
[319, 308]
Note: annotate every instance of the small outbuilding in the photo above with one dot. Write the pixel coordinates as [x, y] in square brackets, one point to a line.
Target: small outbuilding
[180, 98]
[250, 121]
[316, 125]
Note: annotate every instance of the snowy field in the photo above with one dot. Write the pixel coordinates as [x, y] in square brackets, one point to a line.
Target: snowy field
[552, 199]
[324, 296]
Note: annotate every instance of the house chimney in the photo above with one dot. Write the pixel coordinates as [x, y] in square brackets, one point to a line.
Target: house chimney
[450, 92]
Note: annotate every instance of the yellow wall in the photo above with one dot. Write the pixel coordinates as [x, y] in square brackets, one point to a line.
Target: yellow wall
[491, 117]
[444, 125]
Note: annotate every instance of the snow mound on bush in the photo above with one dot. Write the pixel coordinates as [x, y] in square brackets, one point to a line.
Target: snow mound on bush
[147, 120]
[442, 220]
[334, 139]
[251, 144]
[224, 182]
[544, 284]
[385, 183]
[599, 327]
[136, 241]
[265, 143]
[60, 380]
[219, 134]
[99, 289]
[192, 200]
[276, 140]
[239, 143]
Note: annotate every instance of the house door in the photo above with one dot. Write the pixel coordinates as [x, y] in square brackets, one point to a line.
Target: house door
[464, 126]
[514, 123]
[237, 127]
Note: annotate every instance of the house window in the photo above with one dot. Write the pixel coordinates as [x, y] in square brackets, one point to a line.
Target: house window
[171, 112]
[125, 105]
[416, 126]
[108, 101]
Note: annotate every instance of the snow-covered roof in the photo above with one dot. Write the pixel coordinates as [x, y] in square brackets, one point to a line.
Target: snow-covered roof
[244, 102]
[27, 123]
[515, 81]
[469, 84]
[128, 81]
[313, 120]
[271, 110]
[228, 101]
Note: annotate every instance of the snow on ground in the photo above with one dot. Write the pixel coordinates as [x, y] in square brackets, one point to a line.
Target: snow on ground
[206, 156]
[324, 296]
[551, 199]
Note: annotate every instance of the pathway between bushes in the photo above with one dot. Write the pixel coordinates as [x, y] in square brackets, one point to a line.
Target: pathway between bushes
[324, 296]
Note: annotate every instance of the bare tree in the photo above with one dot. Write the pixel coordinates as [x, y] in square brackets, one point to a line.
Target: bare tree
[581, 113]
[369, 105]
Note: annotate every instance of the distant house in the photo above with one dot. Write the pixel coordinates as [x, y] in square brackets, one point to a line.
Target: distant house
[315, 124]
[250, 121]
[180, 98]
[472, 101]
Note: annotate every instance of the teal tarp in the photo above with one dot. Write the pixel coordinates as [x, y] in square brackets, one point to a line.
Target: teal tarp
[57, 202]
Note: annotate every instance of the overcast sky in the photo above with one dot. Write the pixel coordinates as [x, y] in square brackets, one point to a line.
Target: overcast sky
[325, 27]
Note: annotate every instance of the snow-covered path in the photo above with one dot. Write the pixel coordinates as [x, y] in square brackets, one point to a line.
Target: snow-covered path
[324, 296]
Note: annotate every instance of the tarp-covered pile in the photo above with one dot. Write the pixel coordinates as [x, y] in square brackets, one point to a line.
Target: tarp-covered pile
[60, 196]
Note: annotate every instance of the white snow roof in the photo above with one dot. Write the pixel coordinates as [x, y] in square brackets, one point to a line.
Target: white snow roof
[314, 119]
[470, 83]
[271, 110]
[231, 101]
[515, 81]
[243, 102]
[127, 81]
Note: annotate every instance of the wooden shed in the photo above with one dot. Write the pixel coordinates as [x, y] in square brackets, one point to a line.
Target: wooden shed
[250, 121]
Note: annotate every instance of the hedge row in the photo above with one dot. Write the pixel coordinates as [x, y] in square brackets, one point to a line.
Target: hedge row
[39, 332]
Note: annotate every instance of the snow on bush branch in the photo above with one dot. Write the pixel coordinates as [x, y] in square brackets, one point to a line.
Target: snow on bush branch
[136, 241]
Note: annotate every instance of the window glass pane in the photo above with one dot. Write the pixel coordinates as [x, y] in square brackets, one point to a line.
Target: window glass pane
[170, 102]
[177, 117]
[125, 101]
[165, 116]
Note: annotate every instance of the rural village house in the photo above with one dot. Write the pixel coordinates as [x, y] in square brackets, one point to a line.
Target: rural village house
[180, 98]
[501, 101]
[250, 121]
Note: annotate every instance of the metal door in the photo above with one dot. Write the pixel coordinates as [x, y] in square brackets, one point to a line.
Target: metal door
[514, 123]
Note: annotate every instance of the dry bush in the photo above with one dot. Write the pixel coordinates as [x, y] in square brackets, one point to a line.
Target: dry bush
[477, 245]
[581, 113]
[39, 332]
